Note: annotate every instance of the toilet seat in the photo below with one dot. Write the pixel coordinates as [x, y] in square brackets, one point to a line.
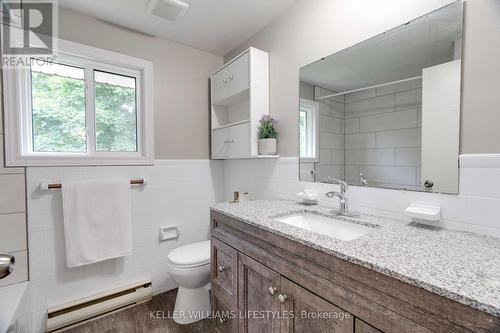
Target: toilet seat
[190, 255]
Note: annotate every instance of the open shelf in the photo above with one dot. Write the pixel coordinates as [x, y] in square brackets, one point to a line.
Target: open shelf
[231, 124]
[233, 99]
[236, 113]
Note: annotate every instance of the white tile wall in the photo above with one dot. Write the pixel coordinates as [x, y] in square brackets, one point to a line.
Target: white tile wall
[178, 192]
[475, 209]
[389, 174]
[12, 215]
[331, 138]
[331, 141]
[399, 138]
[403, 86]
[389, 121]
[361, 95]
[360, 141]
[323, 172]
[370, 157]
[330, 124]
[12, 232]
[12, 195]
[380, 104]
[352, 125]
[408, 156]
[377, 121]
[408, 99]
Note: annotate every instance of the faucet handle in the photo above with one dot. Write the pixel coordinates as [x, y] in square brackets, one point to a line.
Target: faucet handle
[343, 184]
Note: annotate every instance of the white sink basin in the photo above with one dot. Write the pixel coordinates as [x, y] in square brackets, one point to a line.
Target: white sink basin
[327, 226]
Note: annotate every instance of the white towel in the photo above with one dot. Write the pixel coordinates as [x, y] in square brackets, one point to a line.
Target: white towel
[97, 220]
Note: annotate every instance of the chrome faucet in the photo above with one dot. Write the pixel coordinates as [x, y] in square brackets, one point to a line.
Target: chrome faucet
[342, 195]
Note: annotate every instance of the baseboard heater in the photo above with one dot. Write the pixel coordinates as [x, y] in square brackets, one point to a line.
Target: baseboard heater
[75, 313]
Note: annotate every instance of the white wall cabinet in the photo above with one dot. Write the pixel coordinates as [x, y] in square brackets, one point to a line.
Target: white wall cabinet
[239, 98]
[231, 80]
[231, 142]
[220, 144]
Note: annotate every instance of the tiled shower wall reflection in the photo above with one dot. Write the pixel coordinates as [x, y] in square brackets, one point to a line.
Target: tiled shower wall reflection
[383, 129]
[375, 132]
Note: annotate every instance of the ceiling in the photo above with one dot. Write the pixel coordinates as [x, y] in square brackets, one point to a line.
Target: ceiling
[215, 26]
[397, 54]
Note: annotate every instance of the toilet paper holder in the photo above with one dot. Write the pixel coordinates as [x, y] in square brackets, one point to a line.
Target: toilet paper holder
[169, 232]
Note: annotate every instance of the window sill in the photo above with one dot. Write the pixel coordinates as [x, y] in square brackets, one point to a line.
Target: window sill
[46, 161]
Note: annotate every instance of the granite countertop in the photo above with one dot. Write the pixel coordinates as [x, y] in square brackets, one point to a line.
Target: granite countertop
[462, 266]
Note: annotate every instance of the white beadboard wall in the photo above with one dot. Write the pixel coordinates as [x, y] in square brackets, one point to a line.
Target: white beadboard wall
[475, 209]
[178, 192]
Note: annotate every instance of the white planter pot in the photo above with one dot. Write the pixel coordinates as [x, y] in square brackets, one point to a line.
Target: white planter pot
[267, 146]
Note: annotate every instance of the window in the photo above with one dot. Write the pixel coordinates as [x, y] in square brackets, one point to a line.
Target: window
[308, 133]
[115, 112]
[58, 121]
[91, 107]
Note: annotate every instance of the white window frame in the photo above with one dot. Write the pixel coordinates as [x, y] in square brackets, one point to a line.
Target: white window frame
[17, 110]
[312, 113]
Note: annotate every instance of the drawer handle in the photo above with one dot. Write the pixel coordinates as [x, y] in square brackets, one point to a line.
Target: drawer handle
[222, 321]
[221, 268]
[272, 290]
[282, 298]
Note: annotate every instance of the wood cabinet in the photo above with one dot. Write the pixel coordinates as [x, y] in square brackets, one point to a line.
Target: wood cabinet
[239, 98]
[224, 272]
[226, 320]
[307, 312]
[362, 327]
[283, 286]
[258, 288]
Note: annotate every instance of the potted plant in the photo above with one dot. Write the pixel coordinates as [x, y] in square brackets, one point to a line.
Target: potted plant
[267, 135]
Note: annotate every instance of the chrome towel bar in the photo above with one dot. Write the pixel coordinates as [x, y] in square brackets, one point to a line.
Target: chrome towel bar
[44, 186]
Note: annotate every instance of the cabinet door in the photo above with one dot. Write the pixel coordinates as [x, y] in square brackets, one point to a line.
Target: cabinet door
[224, 272]
[239, 140]
[220, 85]
[362, 327]
[220, 145]
[239, 74]
[303, 311]
[258, 288]
[225, 317]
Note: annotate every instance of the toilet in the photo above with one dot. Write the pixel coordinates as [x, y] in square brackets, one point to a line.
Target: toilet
[189, 268]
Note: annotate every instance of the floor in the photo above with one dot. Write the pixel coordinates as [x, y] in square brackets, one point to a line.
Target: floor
[141, 318]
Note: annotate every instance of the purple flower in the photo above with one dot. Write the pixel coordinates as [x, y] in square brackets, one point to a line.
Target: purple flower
[266, 119]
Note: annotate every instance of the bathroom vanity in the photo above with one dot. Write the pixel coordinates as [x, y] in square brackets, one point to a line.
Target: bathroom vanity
[391, 277]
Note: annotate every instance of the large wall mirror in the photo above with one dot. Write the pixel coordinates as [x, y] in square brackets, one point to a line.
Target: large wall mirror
[386, 112]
